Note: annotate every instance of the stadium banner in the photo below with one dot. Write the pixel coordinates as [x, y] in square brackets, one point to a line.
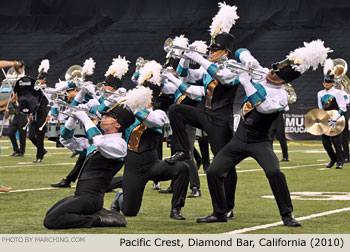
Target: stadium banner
[293, 119]
[175, 242]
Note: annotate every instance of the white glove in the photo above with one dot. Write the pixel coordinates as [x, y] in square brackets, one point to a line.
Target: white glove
[88, 87]
[92, 103]
[244, 78]
[332, 123]
[121, 91]
[177, 82]
[248, 60]
[81, 115]
[83, 107]
[61, 86]
[251, 63]
[194, 56]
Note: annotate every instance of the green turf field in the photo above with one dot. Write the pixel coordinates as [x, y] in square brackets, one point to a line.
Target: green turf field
[24, 211]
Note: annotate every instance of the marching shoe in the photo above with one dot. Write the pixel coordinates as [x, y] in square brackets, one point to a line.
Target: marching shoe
[38, 160]
[117, 202]
[196, 193]
[346, 160]
[288, 220]
[105, 218]
[18, 154]
[284, 160]
[330, 164]
[14, 154]
[230, 215]
[339, 165]
[176, 214]
[62, 183]
[168, 190]
[5, 189]
[212, 218]
[178, 156]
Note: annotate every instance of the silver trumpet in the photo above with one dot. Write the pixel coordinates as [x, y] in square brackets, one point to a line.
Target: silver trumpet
[73, 108]
[169, 47]
[238, 68]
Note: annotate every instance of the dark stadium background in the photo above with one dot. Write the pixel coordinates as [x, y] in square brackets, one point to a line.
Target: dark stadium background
[69, 31]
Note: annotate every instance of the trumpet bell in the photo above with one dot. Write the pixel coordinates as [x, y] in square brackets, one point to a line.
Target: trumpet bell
[292, 96]
[168, 45]
[73, 72]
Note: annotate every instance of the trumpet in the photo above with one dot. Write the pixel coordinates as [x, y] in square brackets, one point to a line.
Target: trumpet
[169, 47]
[73, 108]
[340, 68]
[236, 67]
[100, 90]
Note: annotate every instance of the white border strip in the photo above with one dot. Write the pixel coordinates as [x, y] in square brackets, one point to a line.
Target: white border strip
[37, 189]
[282, 168]
[22, 166]
[308, 217]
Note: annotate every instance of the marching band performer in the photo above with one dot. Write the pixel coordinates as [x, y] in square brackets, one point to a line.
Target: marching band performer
[185, 94]
[112, 83]
[142, 162]
[39, 118]
[216, 116]
[104, 158]
[263, 104]
[328, 99]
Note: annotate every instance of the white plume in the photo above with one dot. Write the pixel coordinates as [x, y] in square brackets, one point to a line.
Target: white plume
[328, 65]
[44, 66]
[200, 46]
[118, 68]
[226, 17]
[89, 66]
[138, 98]
[181, 41]
[311, 55]
[151, 67]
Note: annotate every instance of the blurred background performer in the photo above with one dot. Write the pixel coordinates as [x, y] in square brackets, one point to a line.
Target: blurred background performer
[278, 129]
[32, 101]
[345, 133]
[39, 118]
[332, 98]
[220, 85]
[264, 101]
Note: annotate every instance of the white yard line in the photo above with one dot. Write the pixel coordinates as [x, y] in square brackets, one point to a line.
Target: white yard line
[35, 189]
[21, 166]
[282, 168]
[308, 217]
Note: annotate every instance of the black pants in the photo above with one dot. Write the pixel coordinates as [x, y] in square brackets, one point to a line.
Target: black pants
[143, 167]
[37, 138]
[345, 136]
[193, 169]
[204, 148]
[232, 154]
[76, 211]
[18, 122]
[74, 173]
[327, 142]
[219, 127]
[278, 129]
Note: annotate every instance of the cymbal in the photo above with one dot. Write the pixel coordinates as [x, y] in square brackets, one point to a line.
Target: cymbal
[339, 127]
[316, 121]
